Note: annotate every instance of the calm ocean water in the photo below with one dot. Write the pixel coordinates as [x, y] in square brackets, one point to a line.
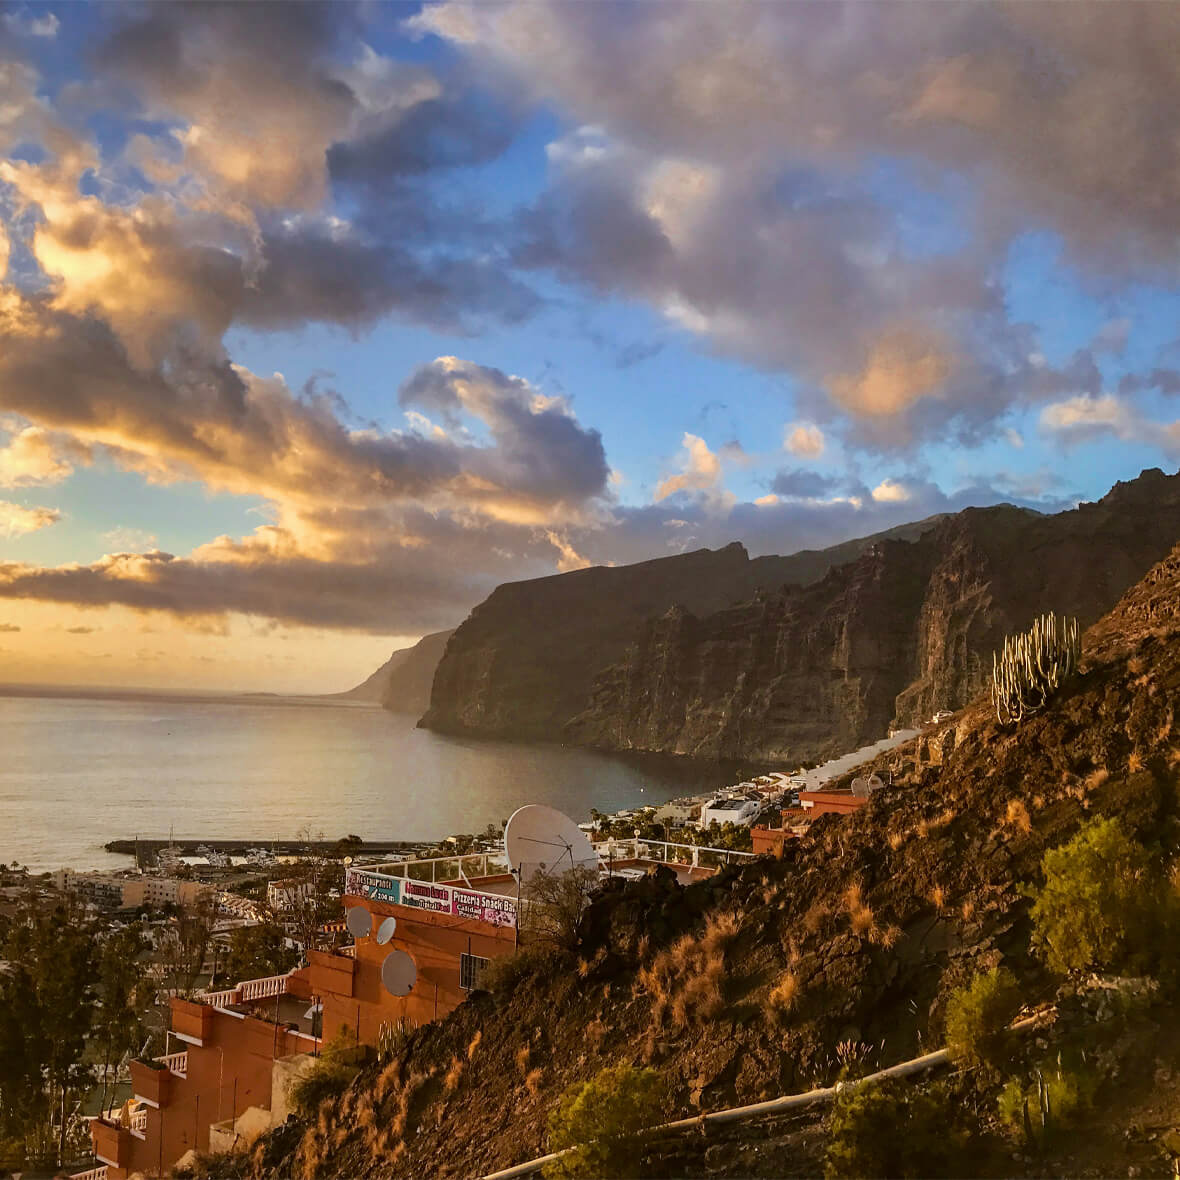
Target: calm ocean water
[75, 773]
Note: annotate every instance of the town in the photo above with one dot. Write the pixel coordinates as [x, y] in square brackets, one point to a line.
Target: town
[239, 970]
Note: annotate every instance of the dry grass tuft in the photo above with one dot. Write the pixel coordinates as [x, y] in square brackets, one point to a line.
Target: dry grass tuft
[922, 829]
[938, 897]
[968, 909]
[783, 995]
[685, 981]
[896, 840]
[860, 913]
[1134, 762]
[595, 1032]
[532, 1083]
[1017, 816]
[454, 1074]
[887, 937]
[523, 1059]
[474, 1044]
[643, 946]
[1096, 779]
[584, 966]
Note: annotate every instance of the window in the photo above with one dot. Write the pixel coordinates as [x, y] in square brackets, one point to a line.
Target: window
[471, 969]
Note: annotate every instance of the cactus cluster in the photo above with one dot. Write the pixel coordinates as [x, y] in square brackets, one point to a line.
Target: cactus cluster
[1032, 666]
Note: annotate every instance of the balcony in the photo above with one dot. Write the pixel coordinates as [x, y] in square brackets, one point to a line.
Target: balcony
[176, 1062]
[151, 1082]
[112, 1143]
[248, 992]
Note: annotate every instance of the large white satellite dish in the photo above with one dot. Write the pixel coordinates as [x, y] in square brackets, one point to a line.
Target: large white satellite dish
[541, 839]
[359, 921]
[399, 973]
[386, 929]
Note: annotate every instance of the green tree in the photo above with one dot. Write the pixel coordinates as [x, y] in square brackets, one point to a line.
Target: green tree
[1101, 902]
[601, 1119]
[47, 1004]
[185, 944]
[978, 1015]
[258, 951]
[117, 1026]
[887, 1129]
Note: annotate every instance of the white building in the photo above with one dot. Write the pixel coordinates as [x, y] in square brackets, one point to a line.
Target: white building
[729, 811]
[284, 896]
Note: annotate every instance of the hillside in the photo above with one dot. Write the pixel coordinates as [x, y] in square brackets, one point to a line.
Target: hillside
[402, 683]
[523, 663]
[871, 919]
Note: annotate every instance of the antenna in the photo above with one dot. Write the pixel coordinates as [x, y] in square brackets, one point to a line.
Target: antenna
[359, 921]
[385, 930]
[399, 973]
[541, 839]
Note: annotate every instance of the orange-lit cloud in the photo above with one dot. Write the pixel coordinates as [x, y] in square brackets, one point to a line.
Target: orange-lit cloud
[17, 521]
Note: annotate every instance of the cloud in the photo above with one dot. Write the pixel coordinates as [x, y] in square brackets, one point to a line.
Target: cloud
[701, 471]
[25, 24]
[33, 457]
[82, 630]
[800, 484]
[891, 491]
[16, 521]
[804, 438]
[755, 174]
[1085, 418]
[127, 539]
[8, 628]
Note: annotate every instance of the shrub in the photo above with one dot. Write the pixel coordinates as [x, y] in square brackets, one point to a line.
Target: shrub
[888, 1129]
[1100, 904]
[686, 980]
[978, 1015]
[1034, 1111]
[328, 1077]
[505, 972]
[784, 995]
[556, 902]
[601, 1119]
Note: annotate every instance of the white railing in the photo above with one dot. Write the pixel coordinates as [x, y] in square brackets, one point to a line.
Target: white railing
[349, 952]
[445, 868]
[93, 1174]
[218, 999]
[177, 1063]
[262, 989]
[669, 853]
[139, 1120]
[250, 989]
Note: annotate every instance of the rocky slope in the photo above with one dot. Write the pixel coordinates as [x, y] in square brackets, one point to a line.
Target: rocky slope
[402, 684]
[906, 629]
[522, 665]
[873, 917]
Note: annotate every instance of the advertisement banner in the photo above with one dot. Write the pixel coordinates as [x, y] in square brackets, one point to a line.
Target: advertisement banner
[425, 896]
[484, 907]
[374, 886]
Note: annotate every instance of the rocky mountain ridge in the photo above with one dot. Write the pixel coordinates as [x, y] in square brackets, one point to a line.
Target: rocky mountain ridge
[402, 684]
[714, 655]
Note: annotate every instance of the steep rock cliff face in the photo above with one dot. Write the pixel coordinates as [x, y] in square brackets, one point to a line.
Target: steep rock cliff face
[523, 663]
[904, 630]
[402, 684]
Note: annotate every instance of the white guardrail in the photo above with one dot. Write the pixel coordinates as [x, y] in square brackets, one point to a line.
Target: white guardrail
[419, 883]
[93, 1174]
[177, 1063]
[251, 989]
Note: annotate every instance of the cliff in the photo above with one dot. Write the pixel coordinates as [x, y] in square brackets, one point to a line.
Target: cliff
[906, 629]
[524, 662]
[402, 683]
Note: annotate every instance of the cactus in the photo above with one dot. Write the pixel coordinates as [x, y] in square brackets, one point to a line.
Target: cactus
[1032, 667]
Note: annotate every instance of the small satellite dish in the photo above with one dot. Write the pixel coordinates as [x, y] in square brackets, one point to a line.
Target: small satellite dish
[385, 930]
[542, 839]
[399, 973]
[359, 921]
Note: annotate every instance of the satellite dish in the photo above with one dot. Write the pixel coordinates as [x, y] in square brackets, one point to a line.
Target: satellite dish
[542, 839]
[359, 921]
[385, 930]
[399, 973]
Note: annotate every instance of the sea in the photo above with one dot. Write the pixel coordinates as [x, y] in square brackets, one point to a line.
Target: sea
[79, 770]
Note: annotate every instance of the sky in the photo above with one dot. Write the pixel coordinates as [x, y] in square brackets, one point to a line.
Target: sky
[317, 322]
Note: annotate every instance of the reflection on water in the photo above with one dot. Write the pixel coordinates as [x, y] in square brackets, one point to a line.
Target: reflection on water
[75, 773]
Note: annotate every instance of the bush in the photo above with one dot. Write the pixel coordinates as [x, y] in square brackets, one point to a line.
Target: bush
[1101, 903]
[977, 1018]
[887, 1129]
[1034, 1111]
[328, 1078]
[601, 1119]
[505, 972]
